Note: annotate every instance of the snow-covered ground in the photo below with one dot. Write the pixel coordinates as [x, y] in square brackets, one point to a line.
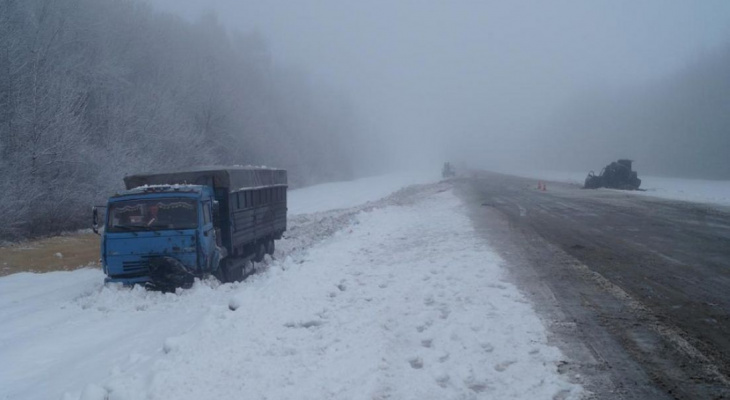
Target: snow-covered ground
[695, 190]
[348, 194]
[396, 299]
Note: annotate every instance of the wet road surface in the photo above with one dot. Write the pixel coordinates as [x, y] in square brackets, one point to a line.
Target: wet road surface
[635, 289]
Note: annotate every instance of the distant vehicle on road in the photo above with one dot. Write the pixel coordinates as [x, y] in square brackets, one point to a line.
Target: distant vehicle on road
[448, 170]
[167, 229]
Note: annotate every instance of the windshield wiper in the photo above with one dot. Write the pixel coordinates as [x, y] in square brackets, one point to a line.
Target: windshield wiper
[151, 228]
[128, 228]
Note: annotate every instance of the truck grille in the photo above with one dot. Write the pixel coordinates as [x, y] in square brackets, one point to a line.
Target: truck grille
[135, 267]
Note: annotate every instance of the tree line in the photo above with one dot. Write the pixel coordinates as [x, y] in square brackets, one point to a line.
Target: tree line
[92, 90]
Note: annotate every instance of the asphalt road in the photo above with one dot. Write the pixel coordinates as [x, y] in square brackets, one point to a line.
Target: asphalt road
[634, 289]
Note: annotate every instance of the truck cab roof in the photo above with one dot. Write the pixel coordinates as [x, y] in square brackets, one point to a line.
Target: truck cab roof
[162, 189]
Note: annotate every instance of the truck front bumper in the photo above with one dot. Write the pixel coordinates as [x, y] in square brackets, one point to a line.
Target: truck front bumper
[138, 280]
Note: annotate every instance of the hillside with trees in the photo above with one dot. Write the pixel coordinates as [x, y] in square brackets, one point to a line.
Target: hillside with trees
[92, 90]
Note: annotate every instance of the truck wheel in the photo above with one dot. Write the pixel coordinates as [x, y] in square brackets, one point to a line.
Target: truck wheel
[234, 272]
[260, 252]
[270, 247]
[220, 274]
[168, 273]
[229, 272]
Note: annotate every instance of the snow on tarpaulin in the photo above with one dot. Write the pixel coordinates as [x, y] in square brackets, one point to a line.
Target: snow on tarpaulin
[232, 178]
[401, 302]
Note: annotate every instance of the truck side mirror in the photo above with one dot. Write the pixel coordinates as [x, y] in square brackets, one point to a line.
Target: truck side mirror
[95, 219]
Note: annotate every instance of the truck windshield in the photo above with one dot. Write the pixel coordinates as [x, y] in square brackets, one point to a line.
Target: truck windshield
[152, 215]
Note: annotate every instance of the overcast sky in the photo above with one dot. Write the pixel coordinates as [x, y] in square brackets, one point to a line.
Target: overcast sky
[474, 78]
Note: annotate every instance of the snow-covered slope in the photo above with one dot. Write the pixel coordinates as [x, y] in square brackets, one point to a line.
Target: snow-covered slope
[395, 299]
[696, 190]
[346, 194]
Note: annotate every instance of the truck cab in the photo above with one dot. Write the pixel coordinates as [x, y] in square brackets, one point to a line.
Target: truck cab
[146, 224]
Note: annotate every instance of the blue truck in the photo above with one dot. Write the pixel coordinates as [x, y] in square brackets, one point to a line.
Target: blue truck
[166, 229]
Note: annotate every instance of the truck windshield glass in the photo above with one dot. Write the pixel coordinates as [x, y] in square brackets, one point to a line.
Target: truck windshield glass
[152, 215]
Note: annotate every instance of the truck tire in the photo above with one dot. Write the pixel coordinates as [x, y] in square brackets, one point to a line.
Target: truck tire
[270, 247]
[260, 252]
[168, 273]
[220, 274]
[233, 271]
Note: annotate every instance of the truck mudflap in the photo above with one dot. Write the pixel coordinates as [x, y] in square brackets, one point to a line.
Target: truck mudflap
[167, 274]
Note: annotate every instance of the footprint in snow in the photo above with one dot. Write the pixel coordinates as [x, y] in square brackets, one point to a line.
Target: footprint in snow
[442, 380]
[416, 362]
[388, 325]
[487, 347]
[563, 366]
[171, 344]
[445, 311]
[561, 395]
[501, 367]
[424, 326]
[427, 343]
[304, 324]
[477, 386]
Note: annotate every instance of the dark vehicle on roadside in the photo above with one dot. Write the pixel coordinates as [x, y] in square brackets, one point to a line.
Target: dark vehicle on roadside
[167, 229]
[617, 175]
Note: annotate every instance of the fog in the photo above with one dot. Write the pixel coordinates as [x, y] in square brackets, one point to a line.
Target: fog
[564, 85]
